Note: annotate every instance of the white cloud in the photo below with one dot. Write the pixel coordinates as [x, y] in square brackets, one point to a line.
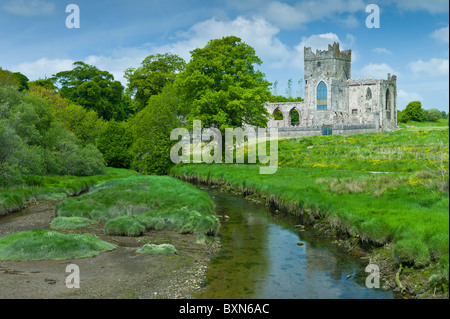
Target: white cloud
[441, 34]
[43, 67]
[29, 7]
[256, 32]
[434, 6]
[406, 97]
[382, 50]
[292, 16]
[433, 67]
[376, 71]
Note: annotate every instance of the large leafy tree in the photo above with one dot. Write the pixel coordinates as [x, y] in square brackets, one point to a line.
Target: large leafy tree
[155, 72]
[114, 142]
[93, 89]
[413, 112]
[17, 79]
[221, 86]
[151, 129]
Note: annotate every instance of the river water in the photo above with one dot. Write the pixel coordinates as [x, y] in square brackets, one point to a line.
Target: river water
[261, 258]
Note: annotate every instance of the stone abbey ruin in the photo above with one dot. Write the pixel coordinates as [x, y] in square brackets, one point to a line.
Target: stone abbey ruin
[334, 103]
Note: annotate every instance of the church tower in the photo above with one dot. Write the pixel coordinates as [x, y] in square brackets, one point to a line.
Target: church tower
[326, 75]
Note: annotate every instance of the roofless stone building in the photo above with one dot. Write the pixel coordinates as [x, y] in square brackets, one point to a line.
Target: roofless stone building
[335, 103]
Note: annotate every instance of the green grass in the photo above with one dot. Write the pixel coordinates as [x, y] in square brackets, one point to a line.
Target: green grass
[52, 188]
[164, 249]
[389, 187]
[71, 222]
[49, 245]
[131, 205]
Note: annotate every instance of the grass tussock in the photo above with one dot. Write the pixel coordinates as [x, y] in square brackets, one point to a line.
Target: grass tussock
[164, 249]
[131, 205]
[49, 245]
[64, 223]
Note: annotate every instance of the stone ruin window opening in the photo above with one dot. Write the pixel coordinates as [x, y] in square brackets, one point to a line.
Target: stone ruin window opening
[388, 104]
[278, 115]
[294, 116]
[369, 94]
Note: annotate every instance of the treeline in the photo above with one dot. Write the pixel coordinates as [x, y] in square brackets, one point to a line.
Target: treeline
[80, 120]
[414, 112]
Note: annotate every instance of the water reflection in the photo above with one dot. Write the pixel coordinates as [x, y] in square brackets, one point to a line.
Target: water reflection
[260, 259]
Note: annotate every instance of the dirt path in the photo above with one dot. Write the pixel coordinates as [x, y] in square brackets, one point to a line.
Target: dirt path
[120, 273]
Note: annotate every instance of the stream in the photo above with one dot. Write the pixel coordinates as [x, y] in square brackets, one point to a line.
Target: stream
[261, 259]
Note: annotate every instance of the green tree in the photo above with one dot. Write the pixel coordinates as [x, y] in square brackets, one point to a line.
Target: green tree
[47, 83]
[221, 87]
[413, 112]
[155, 72]
[23, 81]
[433, 115]
[7, 78]
[93, 89]
[114, 142]
[151, 129]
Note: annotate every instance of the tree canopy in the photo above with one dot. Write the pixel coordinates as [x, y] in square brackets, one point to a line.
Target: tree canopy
[93, 89]
[155, 72]
[221, 87]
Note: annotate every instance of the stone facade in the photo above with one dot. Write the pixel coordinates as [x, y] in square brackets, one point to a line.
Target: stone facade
[334, 102]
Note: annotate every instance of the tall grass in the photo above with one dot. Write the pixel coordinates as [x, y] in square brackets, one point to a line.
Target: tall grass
[131, 205]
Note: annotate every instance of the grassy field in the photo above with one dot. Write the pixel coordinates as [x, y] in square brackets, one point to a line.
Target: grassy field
[131, 205]
[51, 188]
[384, 188]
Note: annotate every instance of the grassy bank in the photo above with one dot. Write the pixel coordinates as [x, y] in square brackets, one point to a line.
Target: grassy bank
[382, 188]
[131, 205]
[51, 188]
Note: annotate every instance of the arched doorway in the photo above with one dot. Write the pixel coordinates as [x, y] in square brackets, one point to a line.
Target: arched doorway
[294, 117]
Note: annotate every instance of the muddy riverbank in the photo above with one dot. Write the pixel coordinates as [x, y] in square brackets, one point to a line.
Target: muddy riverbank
[117, 274]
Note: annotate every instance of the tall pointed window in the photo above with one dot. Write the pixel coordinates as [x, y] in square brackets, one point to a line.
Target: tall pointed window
[369, 94]
[322, 96]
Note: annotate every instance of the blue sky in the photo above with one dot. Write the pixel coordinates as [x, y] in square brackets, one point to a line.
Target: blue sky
[412, 41]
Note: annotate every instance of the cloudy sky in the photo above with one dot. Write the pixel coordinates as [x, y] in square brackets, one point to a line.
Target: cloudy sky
[412, 41]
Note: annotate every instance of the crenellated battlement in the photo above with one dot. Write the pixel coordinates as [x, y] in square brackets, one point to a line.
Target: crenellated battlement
[333, 52]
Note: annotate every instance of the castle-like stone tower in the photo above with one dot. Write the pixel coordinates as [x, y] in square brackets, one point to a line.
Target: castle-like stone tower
[334, 103]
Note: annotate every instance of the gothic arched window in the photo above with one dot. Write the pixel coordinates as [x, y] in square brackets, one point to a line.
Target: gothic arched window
[322, 96]
[369, 94]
